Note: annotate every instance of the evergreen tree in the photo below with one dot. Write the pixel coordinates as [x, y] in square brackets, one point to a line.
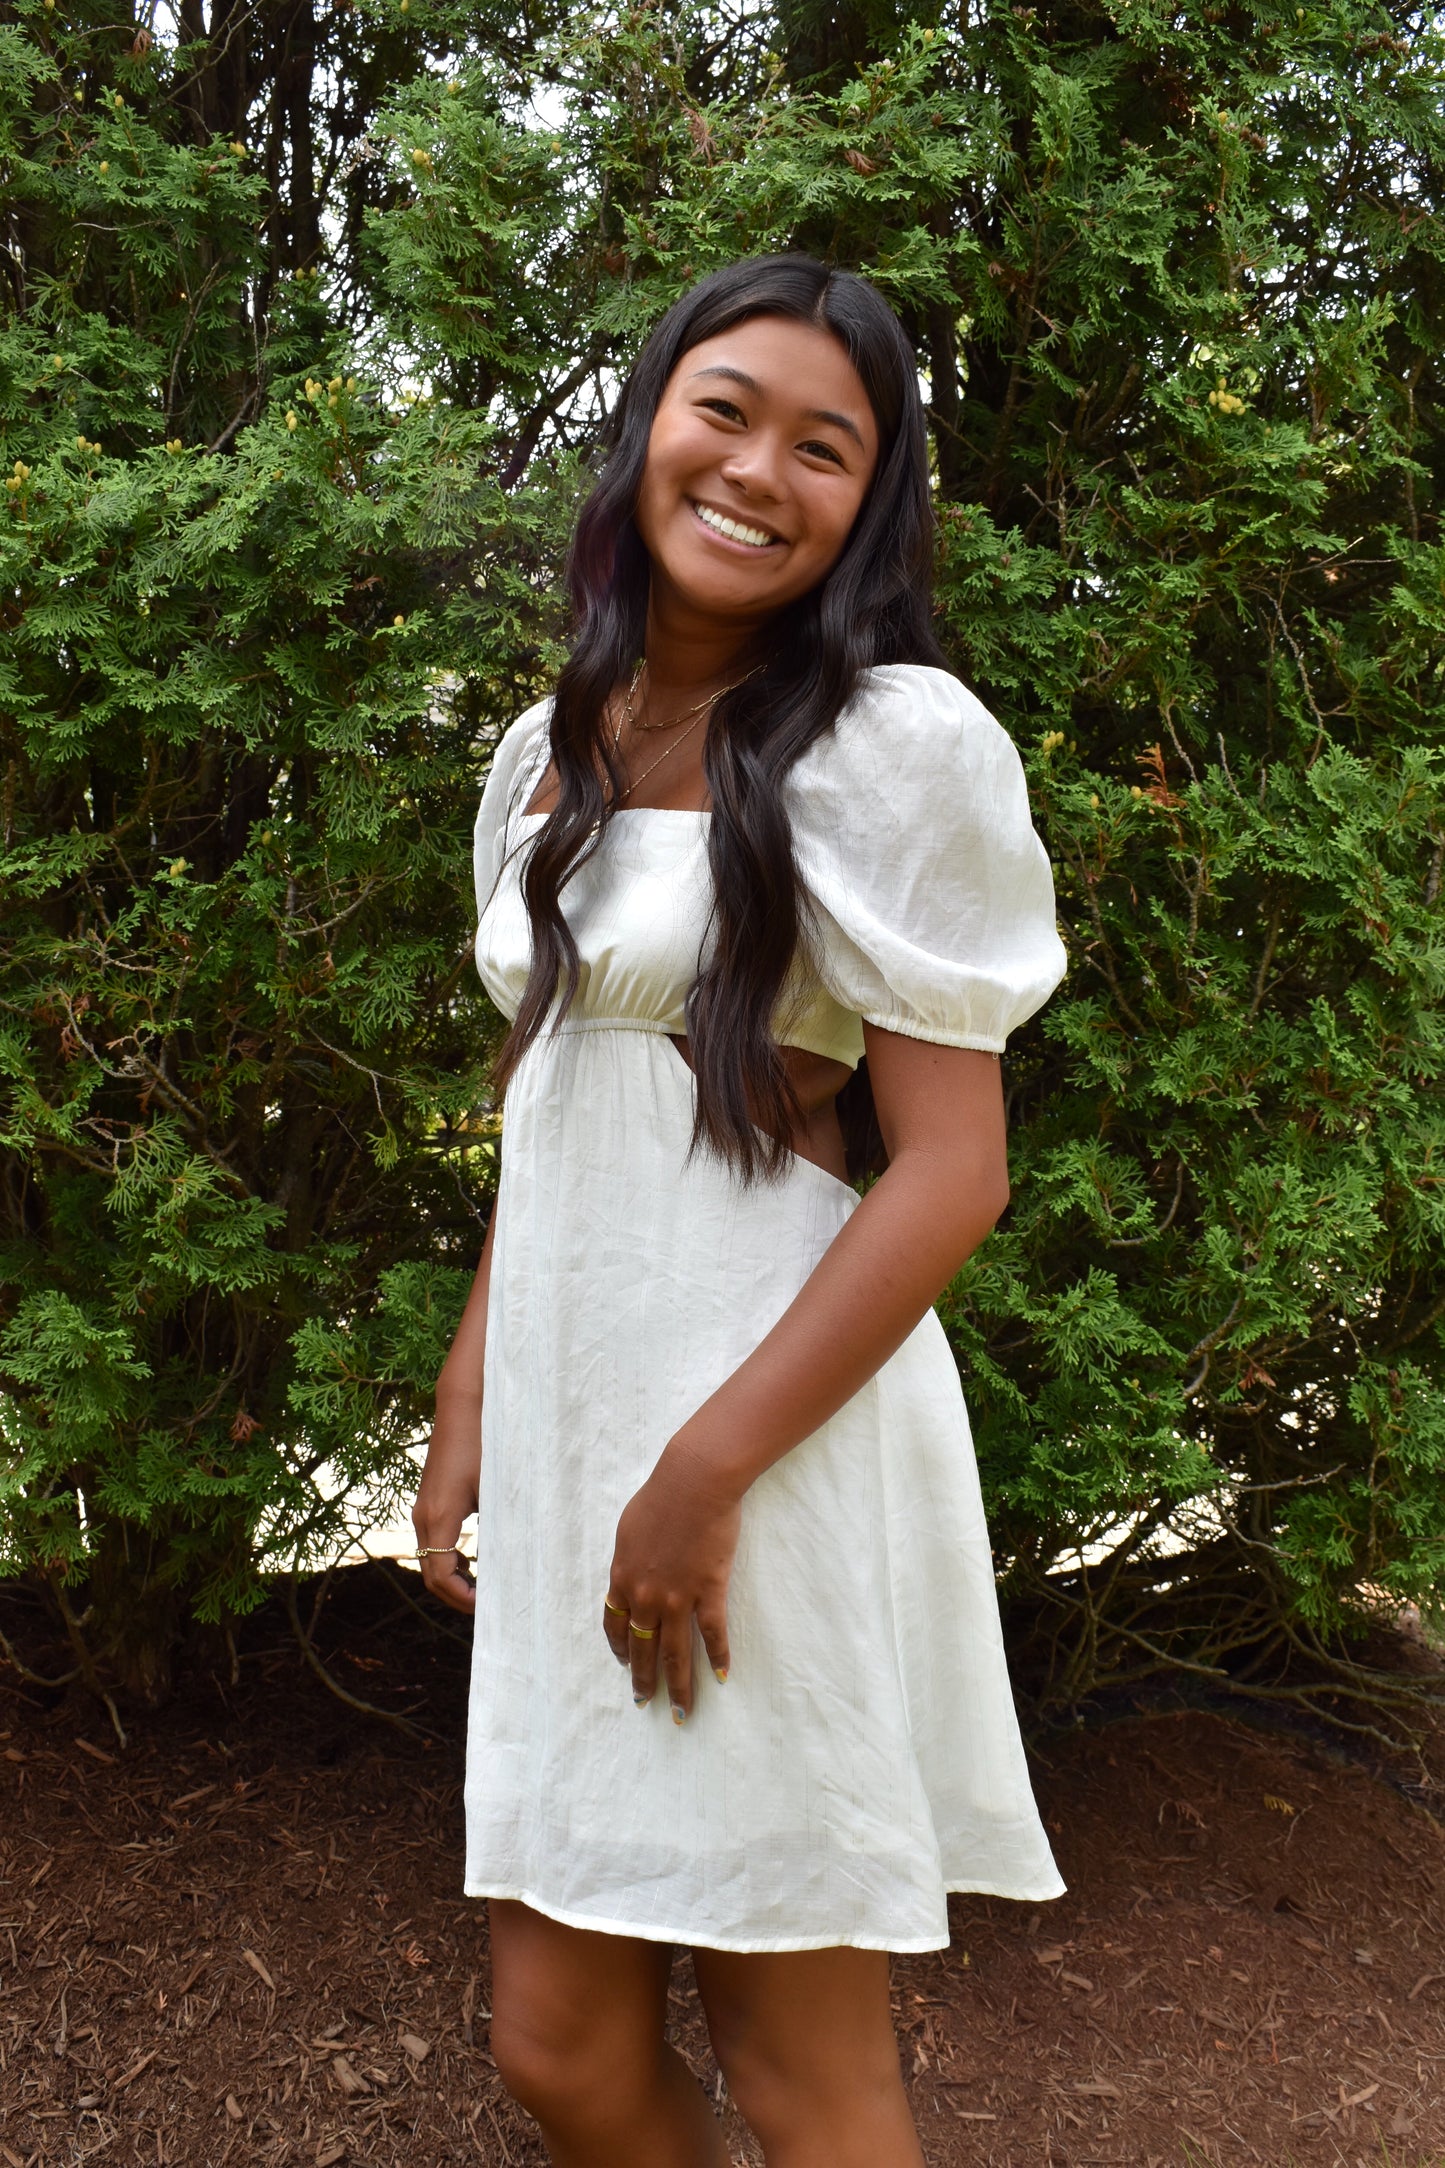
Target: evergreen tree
[308, 332]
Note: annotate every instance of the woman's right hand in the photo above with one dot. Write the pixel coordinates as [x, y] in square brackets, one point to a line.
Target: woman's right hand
[446, 1495]
[452, 1476]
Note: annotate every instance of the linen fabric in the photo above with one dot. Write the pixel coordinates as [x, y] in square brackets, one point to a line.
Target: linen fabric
[863, 1758]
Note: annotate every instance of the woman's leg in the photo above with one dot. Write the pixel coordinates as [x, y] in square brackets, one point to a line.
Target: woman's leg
[805, 2040]
[577, 2033]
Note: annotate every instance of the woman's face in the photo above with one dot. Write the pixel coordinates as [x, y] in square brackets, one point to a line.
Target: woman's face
[761, 453]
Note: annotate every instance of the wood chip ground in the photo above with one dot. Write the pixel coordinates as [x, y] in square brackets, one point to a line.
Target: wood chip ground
[240, 1940]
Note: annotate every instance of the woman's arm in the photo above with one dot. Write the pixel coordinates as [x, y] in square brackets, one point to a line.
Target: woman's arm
[941, 1113]
[447, 1492]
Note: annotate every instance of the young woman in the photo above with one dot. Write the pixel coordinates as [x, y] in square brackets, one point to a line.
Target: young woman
[756, 835]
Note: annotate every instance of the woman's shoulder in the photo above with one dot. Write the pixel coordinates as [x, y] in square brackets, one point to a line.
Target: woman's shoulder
[913, 746]
[902, 709]
[934, 904]
[513, 756]
[521, 735]
[515, 760]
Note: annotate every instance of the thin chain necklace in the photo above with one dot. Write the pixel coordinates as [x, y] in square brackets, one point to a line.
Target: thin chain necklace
[698, 711]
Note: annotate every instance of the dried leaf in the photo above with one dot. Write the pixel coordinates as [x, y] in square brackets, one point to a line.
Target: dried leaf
[1353, 2100]
[193, 1975]
[134, 2071]
[1278, 1806]
[860, 163]
[347, 2076]
[233, 2108]
[258, 1968]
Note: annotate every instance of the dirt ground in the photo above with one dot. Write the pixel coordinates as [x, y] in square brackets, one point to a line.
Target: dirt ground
[241, 1939]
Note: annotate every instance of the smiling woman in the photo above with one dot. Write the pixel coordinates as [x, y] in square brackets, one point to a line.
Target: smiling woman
[759, 890]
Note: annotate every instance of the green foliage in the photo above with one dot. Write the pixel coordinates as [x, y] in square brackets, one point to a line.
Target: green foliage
[294, 436]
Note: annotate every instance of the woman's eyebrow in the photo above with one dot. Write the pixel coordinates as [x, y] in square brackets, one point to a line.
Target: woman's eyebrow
[812, 414]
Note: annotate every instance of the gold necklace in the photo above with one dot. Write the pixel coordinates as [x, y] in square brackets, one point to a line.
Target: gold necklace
[642, 778]
[697, 712]
[634, 721]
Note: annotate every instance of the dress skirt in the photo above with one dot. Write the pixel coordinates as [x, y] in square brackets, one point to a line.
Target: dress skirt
[863, 1757]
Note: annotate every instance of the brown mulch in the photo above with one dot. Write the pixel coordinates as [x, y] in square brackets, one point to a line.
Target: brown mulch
[240, 1939]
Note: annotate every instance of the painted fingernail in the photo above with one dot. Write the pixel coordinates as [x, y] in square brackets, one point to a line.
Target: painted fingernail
[640, 1701]
[679, 1714]
[719, 1672]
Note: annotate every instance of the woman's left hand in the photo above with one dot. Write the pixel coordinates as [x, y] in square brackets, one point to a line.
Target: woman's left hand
[672, 1562]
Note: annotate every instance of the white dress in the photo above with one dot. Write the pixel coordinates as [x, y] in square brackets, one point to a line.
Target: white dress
[863, 1758]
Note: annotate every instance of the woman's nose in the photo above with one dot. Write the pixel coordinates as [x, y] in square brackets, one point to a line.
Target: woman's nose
[755, 466]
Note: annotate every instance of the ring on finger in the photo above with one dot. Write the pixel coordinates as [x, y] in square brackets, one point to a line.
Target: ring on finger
[618, 1610]
[643, 1633]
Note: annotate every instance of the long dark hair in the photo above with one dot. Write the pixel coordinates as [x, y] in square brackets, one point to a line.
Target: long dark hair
[873, 607]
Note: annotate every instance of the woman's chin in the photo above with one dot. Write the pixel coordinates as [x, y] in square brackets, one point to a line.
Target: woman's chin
[725, 585]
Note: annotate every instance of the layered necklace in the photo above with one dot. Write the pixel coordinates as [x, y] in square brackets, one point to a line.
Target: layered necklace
[628, 720]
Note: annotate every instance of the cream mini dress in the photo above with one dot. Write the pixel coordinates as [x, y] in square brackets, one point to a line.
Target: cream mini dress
[863, 1758]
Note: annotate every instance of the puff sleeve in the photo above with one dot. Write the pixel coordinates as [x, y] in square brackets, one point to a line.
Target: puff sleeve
[933, 900]
[505, 792]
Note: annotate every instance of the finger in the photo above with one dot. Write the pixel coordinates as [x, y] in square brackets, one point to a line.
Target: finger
[445, 1576]
[614, 1625]
[458, 1589]
[642, 1637]
[712, 1624]
[676, 1654]
[438, 1566]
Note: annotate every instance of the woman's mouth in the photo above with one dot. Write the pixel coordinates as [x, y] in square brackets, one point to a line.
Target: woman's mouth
[733, 530]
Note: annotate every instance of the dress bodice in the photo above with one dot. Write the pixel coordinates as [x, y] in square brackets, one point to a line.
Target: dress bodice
[638, 911]
[928, 898]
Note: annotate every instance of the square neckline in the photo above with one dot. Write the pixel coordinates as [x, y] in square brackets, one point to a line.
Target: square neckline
[678, 812]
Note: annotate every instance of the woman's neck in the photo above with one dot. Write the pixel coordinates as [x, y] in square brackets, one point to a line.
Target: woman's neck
[690, 652]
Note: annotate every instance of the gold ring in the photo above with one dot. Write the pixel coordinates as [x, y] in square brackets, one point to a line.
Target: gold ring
[618, 1610]
[643, 1633]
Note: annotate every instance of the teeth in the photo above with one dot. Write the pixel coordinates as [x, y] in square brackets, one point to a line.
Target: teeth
[723, 525]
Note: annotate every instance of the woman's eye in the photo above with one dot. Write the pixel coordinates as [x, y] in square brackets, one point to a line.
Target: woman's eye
[726, 408]
[822, 451]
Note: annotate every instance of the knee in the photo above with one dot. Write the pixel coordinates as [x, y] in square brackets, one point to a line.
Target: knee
[567, 2068]
[767, 2103]
[543, 2065]
[782, 2090]
[756, 2082]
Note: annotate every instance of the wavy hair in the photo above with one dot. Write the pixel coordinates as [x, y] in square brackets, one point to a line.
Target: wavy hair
[872, 607]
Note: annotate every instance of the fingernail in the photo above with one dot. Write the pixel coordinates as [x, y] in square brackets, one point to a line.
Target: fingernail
[679, 1714]
[640, 1701]
[720, 1674]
